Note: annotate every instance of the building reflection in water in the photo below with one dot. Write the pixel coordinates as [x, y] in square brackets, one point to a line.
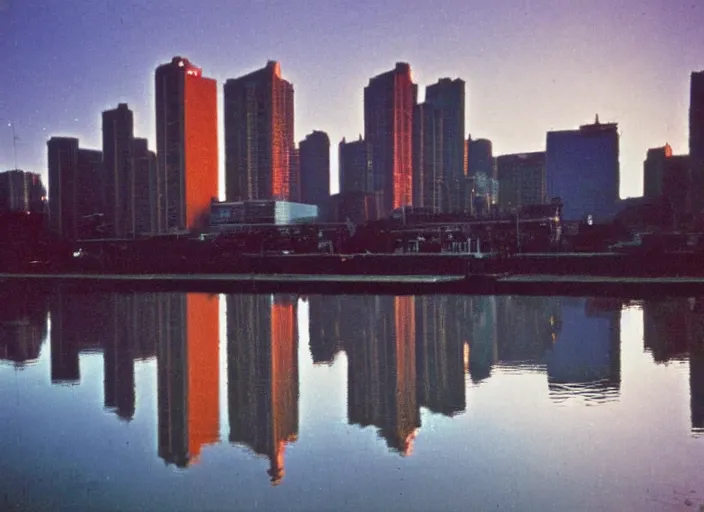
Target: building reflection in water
[440, 342]
[326, 327]
[664, 329]
[131, 334]
[403, 353]
[78, 324]
[479, 325]
[524, 331]
[187, 375]
[585, 358]
[382, 370]
[23, 325]
[263, 388]
[673, 331]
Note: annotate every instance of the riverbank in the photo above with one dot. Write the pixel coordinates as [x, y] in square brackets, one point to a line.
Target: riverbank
[489, 284]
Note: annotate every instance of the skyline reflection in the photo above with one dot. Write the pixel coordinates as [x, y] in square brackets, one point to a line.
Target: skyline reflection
[403, 354]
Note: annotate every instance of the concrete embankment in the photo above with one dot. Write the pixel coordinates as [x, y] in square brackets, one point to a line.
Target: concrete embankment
[624, 287]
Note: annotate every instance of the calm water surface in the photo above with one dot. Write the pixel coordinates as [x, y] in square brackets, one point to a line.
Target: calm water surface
[259, 402]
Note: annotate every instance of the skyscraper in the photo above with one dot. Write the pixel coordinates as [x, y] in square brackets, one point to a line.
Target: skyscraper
[21, 191]
[430, 188]
[388, 117]
[295, 175]
[654, 170]
[144, 198]
[118, 132]
[696, 141]
[522, 179]
[187, 145]
[448, 97]
[355, 170]
[63, 175]
[582, 168]
[480, 157]
[315, 168]
[258, 135]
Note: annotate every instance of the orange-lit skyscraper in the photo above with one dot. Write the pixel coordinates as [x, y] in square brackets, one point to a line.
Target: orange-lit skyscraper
[389, 100]
[258, 135]
[188, 373]
[187, 145]
[262, 367]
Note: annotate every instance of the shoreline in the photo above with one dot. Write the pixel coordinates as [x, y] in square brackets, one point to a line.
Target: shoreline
[477, 284]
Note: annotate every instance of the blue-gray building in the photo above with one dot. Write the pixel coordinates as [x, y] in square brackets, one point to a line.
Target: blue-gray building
[582, 168]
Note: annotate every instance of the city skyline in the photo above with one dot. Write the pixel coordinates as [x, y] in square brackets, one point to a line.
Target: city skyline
[520, 67]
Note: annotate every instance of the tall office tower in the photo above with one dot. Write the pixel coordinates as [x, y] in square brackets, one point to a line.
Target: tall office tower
[654, 170]
[258, 135]
[522, 179]
[119, 185]
[187, 146]
[144, 199]
[187, 376]
[315, 168]
[89, 196]
[21, 191]
[676, 187]
[63, 175]
[295, 175]
[582, 168]
[355, 169]
[696, 142]
[480, 158]
[430, 189]
[388, 118]
[447, 96]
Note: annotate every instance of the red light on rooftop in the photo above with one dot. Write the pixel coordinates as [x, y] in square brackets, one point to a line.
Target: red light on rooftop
[668, 150]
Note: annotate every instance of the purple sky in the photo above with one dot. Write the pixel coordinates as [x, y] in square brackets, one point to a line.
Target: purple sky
[530, 65]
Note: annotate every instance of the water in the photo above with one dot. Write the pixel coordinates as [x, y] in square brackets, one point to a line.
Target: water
[258, 402]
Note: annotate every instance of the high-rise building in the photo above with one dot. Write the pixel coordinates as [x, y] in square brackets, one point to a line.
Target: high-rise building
[355, 167]
[676, 186]
[119, 184]
[430, 187]
[144, 201]
[480, 158]
[582, 169]
[448, 97]
[295, 175]
[21, 191]
[315, 168]
[522, 180]
[654, 170]
[696, 141]
[389, 100]
[258, 135]
[63, 176]
[89, 197]
[187, 145]
[481, 189]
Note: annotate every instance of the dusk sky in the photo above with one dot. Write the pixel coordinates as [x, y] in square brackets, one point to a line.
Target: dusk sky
[530, 65]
